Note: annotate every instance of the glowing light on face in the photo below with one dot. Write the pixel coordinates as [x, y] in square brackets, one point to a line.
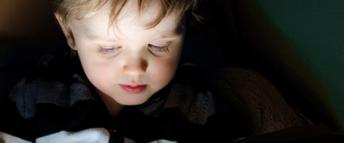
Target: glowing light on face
[127, 61]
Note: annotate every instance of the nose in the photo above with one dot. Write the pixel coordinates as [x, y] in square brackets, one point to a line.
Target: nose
[135, 66]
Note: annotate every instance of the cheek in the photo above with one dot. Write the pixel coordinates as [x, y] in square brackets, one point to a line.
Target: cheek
[96, 71]
[163, 72]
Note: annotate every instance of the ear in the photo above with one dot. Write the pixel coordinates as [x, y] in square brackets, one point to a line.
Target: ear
[66, 31]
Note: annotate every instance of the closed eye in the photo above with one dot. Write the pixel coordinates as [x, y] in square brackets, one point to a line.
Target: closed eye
[109, 50]
[158, 50]
[158, 46]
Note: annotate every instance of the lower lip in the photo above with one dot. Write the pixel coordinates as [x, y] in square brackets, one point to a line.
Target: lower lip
[133, 89]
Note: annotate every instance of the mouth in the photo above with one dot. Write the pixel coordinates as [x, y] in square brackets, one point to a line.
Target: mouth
[133, 89]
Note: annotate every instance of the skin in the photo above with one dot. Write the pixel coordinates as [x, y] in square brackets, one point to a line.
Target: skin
[126, 52]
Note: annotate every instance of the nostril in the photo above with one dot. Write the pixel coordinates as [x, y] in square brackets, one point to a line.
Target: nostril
[144, 65]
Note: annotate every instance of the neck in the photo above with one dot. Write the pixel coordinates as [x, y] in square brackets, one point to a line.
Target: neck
[112, 106]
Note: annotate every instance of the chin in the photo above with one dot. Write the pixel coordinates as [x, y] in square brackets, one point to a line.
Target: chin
[133, 102]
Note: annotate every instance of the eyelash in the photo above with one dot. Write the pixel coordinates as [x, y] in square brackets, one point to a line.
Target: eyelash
[155, 50]
[109, 49]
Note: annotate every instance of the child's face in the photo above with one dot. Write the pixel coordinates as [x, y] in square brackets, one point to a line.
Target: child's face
[127, 61]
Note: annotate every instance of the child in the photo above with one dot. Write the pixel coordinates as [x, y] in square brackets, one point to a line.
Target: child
[128, 88]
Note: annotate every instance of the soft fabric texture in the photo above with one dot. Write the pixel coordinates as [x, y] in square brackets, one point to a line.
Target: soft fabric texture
[57, 103]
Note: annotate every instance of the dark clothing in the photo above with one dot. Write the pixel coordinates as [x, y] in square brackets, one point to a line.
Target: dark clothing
[57, 101]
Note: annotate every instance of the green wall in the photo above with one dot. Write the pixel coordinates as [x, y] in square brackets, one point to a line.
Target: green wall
[315, 28]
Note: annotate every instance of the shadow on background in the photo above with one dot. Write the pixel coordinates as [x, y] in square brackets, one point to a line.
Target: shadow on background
[314, 29]
[269, 37]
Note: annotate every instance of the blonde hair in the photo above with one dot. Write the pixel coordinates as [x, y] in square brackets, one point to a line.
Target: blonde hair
[68, 9]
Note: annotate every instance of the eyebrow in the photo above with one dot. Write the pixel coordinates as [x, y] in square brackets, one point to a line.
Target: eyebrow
[95, 37]
[168, 36]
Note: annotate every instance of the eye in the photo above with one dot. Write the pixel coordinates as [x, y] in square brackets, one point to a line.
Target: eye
[159, 50]
[109, 50]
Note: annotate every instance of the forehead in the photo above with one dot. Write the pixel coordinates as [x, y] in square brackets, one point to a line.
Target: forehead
[129, 21]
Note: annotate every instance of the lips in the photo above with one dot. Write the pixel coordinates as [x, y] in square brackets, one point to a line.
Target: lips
[133, 89]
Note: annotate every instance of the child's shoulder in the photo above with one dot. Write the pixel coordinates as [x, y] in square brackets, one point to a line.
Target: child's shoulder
[236, 98]
[56, 80]
[27, 94]
[51, 98]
